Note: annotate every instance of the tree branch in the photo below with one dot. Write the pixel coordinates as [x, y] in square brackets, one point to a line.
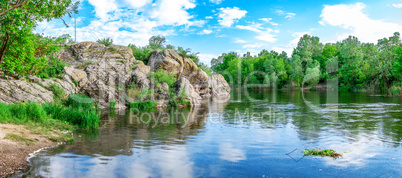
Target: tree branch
[17, 5]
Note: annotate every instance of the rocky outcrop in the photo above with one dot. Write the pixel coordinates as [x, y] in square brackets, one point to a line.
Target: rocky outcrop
[218, 86]
[13, 91]
[140, 75]
[106, 73]
[184, 86]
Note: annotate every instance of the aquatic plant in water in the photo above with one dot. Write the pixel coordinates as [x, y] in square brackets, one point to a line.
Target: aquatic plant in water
[325, 152]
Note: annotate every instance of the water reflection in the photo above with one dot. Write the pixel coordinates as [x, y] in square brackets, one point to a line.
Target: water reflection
[238, 137]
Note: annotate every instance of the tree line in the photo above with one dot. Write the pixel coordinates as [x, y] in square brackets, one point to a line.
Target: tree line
[356, 65]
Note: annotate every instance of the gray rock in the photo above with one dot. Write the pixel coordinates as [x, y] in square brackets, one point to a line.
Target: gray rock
[183, 85]
[218, 86]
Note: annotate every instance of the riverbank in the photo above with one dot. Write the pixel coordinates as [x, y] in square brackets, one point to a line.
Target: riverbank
[17, 142]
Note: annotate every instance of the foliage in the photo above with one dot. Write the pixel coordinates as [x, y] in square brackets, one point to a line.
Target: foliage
[143, 105]
[205, 68]
[105, 41]
[141, 53]
[357, 65]
[20, 113]
[112, 104]
[58, 92]
[80, 101]
[325, 152]
[48, 115]
[158, 43]
[157, 40]
[34, 54]
[161, 76]
[22, 52]
[84, 118]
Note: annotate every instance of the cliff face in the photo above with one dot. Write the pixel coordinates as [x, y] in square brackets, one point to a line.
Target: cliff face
[108, 73]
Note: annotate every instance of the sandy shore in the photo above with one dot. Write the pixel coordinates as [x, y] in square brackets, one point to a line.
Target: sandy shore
[16, 143]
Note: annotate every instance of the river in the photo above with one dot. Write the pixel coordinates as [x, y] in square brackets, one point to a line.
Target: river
[253, 134]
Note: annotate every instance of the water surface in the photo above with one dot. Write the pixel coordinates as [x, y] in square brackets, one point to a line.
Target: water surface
[257, 134]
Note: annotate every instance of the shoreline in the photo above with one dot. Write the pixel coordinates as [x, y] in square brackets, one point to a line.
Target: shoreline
[18, 144]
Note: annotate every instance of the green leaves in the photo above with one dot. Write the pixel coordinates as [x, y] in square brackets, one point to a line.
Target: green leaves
[21, 52]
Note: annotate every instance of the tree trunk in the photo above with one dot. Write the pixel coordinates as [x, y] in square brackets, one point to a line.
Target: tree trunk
[4, 47]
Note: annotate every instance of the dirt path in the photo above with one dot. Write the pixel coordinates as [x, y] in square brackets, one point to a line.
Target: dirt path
[16, 143]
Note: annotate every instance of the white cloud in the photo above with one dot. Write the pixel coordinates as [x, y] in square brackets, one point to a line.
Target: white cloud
[103, 7]
[205, 32]
[138, 3]
[129, 21]
[269, 20]
[254, 27]
[173, 12]
[197, 23]
[288, 15]
[267, 36]
[263, 34]
[397, 5]
[352, 17]
[206, 58]
[208, 17]
[216, 1]
[228, 16]
[239, 41]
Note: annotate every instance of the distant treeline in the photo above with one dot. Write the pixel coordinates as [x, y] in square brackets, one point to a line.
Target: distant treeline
[357, 65]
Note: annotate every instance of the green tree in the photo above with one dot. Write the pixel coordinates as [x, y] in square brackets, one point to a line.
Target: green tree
[17, 21]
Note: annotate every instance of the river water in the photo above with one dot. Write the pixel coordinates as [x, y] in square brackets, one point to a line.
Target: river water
[256, 134]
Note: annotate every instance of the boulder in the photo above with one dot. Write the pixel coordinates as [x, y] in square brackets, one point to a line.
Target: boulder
[140, 75]
[218, 86]
[170, 61]
[162, 91]
[183, 85]
[79, 77]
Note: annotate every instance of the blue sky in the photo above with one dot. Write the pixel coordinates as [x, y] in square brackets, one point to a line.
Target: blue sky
[213, 27]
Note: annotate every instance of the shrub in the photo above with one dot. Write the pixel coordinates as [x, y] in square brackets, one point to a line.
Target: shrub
[112, 104]
[141, 53]
[33, 54]
[105, 41]
[161, 76]
[143, 105]
[58, 92]
[54, 69]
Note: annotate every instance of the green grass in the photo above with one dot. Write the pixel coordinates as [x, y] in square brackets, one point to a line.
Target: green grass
[79, 116]
[112, 104]
[59, 93]
[325, 152]
[80, 101]
[143, 105]
[79, 111]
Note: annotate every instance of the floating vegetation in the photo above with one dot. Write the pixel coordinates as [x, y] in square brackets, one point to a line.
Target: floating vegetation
[325, 152]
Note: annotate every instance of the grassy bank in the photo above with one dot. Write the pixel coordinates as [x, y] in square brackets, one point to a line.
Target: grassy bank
[76, 112]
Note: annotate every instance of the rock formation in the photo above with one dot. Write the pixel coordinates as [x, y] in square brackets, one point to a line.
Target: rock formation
[105, 73]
